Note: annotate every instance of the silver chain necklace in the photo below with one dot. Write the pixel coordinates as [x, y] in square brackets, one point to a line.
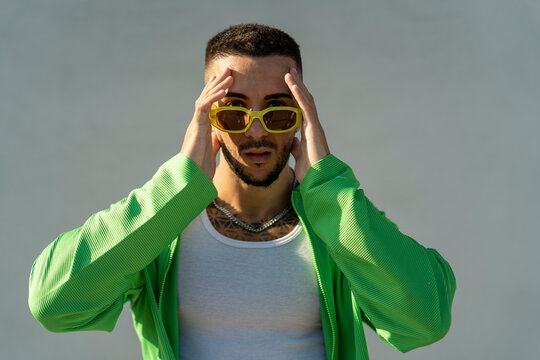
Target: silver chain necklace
[248, 227]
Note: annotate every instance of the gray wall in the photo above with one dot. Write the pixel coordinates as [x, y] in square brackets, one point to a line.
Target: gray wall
[435, 104]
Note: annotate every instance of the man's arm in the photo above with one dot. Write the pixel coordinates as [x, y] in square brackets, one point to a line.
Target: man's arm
[81, 280]
[404, 290]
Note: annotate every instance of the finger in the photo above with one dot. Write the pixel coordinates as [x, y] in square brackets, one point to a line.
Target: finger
[299, 81]
[220, 77]
[226, 72]
[215, 94]
[291, 83]
[222, 88]
[225, 83]
[222, 85]
[216, 97]
[289, 80]
[215, 144]
[208, 84]
[296, 149]
[301, 95]
[215, 79]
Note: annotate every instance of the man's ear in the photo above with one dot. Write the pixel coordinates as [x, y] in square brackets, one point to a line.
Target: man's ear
[218, 134]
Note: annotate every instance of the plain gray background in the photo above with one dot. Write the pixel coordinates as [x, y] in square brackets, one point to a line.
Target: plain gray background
[435, 104]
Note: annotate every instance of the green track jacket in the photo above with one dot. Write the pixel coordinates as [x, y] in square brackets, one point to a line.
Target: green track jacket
[367, 269]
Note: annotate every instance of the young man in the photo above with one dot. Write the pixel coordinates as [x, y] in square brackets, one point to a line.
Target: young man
[248, 259]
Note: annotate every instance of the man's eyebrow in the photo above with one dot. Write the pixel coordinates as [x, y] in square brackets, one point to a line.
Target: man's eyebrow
[278, 96]
[236, 95]
[267, 97]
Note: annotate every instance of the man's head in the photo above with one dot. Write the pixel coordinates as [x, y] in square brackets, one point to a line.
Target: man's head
[253, 40]
[259, 57]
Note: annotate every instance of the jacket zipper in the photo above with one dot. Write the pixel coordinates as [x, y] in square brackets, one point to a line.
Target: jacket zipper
[332, 356]
[159, 323]
[161, 332]
[162, 285]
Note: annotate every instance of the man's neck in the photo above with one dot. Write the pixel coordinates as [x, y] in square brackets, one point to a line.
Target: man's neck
[253, 203]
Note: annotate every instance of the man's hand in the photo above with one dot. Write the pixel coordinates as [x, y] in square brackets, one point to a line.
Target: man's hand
[200, 142]
[313, 145]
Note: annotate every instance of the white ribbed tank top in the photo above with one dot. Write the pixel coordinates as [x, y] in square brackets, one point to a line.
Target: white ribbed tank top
[247, 300]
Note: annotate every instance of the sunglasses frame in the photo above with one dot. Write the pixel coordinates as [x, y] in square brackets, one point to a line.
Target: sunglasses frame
[254, 114]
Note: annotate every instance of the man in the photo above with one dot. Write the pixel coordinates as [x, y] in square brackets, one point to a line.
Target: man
[248, 259]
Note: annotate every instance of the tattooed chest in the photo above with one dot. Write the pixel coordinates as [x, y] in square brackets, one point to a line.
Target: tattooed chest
[226, 227]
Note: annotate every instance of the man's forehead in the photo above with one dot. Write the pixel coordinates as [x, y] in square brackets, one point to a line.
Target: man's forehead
[247, 66]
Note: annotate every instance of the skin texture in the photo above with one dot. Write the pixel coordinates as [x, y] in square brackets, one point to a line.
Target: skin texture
[249, 82]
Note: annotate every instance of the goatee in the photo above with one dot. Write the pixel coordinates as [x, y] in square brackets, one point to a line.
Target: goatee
[240, 170]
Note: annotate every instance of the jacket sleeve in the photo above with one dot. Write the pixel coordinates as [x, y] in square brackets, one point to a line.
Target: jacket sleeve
[82, 279]
[404, 290]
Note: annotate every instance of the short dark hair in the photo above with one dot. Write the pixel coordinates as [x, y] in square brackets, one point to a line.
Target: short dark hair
[254, 40]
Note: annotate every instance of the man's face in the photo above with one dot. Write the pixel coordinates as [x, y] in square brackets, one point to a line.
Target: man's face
[257, 157]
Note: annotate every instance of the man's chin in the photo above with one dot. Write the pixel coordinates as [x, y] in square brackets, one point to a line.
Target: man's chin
[256, 175]
[259, 174]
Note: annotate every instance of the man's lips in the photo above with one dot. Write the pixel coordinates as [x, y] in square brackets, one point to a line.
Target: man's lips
[257, 155]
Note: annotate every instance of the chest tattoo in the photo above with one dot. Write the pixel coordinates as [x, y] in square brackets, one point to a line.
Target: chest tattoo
[226, 227]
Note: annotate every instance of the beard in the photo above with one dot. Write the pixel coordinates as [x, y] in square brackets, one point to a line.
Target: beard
[241, 171]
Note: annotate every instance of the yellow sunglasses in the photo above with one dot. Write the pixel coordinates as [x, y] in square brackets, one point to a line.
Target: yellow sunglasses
[236, 119]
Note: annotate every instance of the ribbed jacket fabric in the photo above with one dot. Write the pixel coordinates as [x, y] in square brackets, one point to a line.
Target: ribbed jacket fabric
[367, 269]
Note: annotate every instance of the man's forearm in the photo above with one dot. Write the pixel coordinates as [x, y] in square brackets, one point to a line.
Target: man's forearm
[404, 289]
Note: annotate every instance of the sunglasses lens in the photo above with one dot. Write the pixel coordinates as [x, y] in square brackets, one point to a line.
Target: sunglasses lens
[280, 119]
[232, 119]
[238, 120]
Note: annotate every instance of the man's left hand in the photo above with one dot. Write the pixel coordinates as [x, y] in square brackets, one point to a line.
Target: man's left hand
[313, 146]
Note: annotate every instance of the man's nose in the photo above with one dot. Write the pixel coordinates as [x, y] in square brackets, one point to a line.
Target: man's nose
[256, 130]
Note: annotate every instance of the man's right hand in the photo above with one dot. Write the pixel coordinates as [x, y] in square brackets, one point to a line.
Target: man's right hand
[200, 142]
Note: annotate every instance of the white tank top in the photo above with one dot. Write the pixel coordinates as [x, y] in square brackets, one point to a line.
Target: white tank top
[247, 300]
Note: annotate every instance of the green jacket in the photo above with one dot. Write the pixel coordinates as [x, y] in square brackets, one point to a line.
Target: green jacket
[367, 270]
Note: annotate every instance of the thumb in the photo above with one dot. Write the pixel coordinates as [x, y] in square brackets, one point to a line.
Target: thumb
[215, 144]
[295, 149]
